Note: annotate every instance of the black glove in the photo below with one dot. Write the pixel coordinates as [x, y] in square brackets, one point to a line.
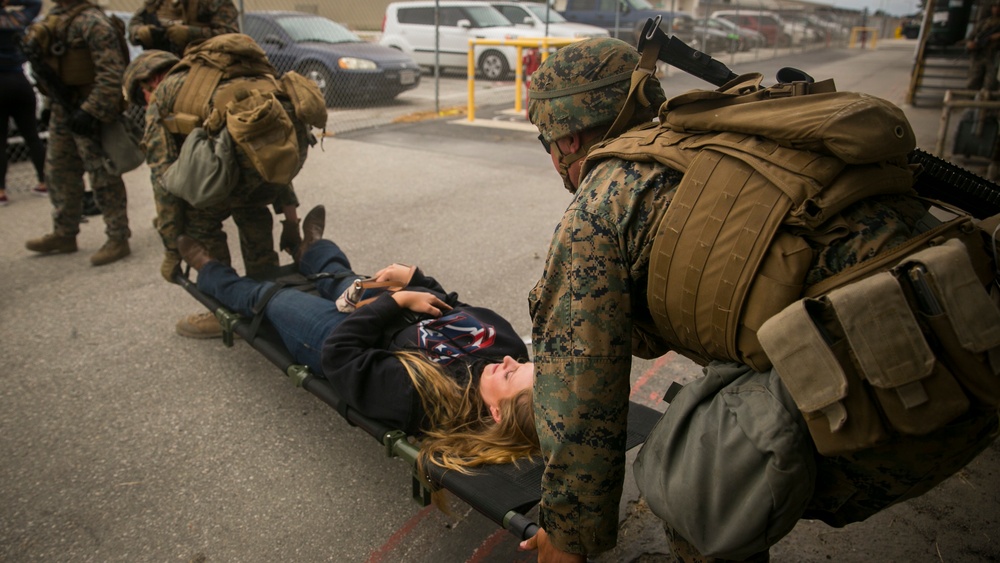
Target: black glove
[43, 118]
[82, 123]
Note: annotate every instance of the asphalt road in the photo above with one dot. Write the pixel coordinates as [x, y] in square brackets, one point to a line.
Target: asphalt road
[121, 441]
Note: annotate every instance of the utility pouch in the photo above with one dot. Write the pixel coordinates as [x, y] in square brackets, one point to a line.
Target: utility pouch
[903, 351]
[310, 107]
[76, 67]
[816, 369]
[916, 393]
[963, 318]
[260, 126]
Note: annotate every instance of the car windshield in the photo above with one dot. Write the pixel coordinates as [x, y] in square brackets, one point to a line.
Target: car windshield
[486, 16]
[539, 10]
[320, 30]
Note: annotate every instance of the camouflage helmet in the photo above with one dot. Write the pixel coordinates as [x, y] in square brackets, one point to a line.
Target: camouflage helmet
[146, 65]
[584, 85]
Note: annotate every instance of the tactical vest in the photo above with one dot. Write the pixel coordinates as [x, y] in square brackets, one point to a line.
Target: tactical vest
[902, 342]
[224, 68]
[231, 84]
[763, 168]
[72, 62]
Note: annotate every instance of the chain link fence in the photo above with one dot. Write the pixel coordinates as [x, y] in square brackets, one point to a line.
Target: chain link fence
[352, 49]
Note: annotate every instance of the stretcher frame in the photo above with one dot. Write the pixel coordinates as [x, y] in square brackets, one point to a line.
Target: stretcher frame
[503, 493]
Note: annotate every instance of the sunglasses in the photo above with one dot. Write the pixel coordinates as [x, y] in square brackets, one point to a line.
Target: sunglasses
[545, 144]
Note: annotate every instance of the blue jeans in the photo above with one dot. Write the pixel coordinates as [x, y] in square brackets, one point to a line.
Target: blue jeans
[302, 320]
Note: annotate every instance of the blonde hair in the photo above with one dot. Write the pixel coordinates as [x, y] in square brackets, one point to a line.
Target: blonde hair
[460, 432]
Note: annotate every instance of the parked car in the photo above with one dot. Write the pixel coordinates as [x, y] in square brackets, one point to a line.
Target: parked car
[346, 68]
[535, 15]
[706, 38]
[767, 24]
[409, 27]
[746, 39]
[622, 18]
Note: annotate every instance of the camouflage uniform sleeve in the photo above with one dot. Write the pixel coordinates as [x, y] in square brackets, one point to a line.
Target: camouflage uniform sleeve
[134, 23]
[160, 146]
[105, 99]
[582, 321]
[285, 197]
[218, 17]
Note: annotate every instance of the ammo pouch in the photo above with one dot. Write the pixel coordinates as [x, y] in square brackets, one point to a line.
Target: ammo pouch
[310, 107]
[260, 126]
[902, 351]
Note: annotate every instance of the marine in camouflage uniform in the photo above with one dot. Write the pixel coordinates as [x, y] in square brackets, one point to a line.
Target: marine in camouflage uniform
[984, 47]
[172, 25]
[247, 204]
[589, 316]
[74, 146]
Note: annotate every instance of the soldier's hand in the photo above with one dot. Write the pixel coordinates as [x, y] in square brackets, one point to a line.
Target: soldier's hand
[83, 123]
[143, 36]
[290, 237]
[171, 265]
[179, 35]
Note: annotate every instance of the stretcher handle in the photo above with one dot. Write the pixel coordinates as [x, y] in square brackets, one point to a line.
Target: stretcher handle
[519, 525]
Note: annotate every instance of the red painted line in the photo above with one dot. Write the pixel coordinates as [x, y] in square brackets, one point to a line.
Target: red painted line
[486, 548]
[645, 377]
[400, 534]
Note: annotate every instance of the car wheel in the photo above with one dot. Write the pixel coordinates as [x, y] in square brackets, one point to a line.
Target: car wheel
[323, 78]
[493, 65]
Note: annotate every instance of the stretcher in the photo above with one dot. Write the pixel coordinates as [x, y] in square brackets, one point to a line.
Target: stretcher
[502, 493]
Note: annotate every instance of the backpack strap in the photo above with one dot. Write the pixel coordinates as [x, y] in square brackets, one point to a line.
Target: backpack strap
[636, 92]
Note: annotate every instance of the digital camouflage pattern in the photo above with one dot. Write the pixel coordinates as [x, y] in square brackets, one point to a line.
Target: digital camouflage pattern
[983, 59]
[149, 63]
[590, 316]
[212, 17]
[585, 87]
[247, 204]
[69, 155]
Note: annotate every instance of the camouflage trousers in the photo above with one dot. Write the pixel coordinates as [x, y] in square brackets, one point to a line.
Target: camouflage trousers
[68, 157]
[851, 488]
[250, 212]
[983, 72]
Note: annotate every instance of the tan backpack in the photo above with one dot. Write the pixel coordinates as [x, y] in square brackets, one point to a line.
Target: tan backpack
[230, 83]
[765, 169]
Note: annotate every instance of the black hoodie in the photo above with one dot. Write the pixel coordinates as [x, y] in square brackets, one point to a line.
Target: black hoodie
[358, 359]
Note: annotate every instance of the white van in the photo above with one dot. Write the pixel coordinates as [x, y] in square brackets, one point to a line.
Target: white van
[534, 14]
[409, 27]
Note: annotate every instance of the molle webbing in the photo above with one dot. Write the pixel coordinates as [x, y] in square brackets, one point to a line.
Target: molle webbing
[202, 92]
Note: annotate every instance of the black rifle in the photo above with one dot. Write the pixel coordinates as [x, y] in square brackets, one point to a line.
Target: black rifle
[982, 39]
[936, 177]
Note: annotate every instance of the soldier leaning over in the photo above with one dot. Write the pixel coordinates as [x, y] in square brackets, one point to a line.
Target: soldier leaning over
[733, 464]
[178, 116]
[172, 25]
[85, 50]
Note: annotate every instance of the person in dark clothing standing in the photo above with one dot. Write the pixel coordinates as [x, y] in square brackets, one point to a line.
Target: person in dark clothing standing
[416, 358]
[17, 96]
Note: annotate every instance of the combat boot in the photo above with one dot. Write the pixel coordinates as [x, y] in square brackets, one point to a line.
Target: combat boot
[312, 230]
[114, 249]
[52, 244]
[199, 325]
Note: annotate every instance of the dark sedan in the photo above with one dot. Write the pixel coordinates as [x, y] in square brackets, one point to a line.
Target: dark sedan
[347, 69]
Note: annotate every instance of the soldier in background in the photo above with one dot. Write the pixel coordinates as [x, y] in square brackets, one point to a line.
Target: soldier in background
[149, 81]
[983, 45]
[87, 53]
[172, 25]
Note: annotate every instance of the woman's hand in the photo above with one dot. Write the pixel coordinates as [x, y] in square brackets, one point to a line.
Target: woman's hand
[420, 302]
[400, 274]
